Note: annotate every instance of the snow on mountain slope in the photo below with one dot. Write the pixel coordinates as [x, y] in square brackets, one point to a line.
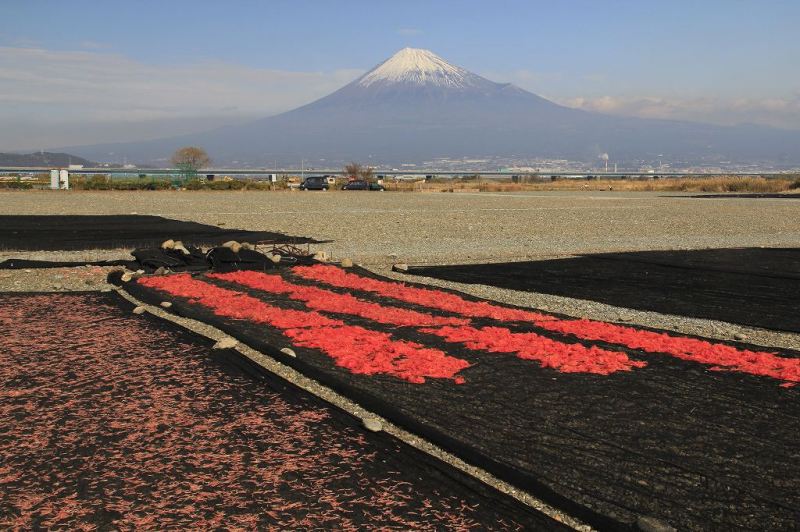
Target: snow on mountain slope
[420, 67]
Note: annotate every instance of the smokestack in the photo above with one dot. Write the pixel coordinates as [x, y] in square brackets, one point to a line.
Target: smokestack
[604, 157]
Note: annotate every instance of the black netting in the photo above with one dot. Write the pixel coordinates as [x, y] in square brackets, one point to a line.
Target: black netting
[23, 264]
[752, 195]
[676, 440]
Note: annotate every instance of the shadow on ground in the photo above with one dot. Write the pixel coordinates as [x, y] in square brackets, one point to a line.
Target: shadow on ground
[68, 232]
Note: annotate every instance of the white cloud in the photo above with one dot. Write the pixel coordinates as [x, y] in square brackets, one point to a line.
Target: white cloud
[46, 87]
[778, 112]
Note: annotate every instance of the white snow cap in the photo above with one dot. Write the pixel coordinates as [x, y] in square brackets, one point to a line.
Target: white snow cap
[420, 67]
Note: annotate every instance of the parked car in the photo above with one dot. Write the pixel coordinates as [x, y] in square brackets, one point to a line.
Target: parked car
[315, 183]
[362, 185]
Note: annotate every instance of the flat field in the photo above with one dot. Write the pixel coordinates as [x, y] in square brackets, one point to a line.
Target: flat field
[379, 228]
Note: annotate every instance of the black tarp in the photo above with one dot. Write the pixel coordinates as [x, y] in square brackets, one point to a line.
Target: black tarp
[23, 264]
[750, 286]
[68, 232]
[676, 440]
[218, 259]
[151, 259]
[745, 196]
[113, 420]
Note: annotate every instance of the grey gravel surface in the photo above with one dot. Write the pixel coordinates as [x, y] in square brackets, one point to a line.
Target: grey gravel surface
[385, 227]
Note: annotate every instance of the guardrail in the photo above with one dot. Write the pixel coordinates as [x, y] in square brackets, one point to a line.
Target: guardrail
[136, 172]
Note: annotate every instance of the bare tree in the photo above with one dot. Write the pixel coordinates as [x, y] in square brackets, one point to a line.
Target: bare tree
[189, 160]
[357, 171]
[352, 170]
[367, 173]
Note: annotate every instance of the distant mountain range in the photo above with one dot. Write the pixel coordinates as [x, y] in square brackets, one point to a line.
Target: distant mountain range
[42, 158]
[415, 106]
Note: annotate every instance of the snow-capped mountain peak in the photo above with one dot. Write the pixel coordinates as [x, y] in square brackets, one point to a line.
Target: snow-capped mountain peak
[419, 67]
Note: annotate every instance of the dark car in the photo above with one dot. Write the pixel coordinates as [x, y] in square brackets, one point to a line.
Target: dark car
[315, 183]
[362, 185]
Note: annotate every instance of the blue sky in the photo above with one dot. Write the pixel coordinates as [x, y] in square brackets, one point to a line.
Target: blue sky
[720, 61]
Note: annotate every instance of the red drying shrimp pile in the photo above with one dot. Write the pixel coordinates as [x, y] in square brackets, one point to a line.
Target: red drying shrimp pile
[564, 357]
[719, 356]
[360, 350]
[327, 301]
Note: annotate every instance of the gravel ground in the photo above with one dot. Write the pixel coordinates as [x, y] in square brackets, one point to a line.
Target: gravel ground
[379, 229]
[54, 279]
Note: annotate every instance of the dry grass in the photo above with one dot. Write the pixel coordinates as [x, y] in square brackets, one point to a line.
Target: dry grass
[692, 184]
[756, 184]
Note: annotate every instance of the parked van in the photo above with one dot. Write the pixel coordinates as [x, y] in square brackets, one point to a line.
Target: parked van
[315, 182]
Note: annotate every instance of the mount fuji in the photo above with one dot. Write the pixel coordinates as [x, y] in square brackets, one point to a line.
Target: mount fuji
[416, 106]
